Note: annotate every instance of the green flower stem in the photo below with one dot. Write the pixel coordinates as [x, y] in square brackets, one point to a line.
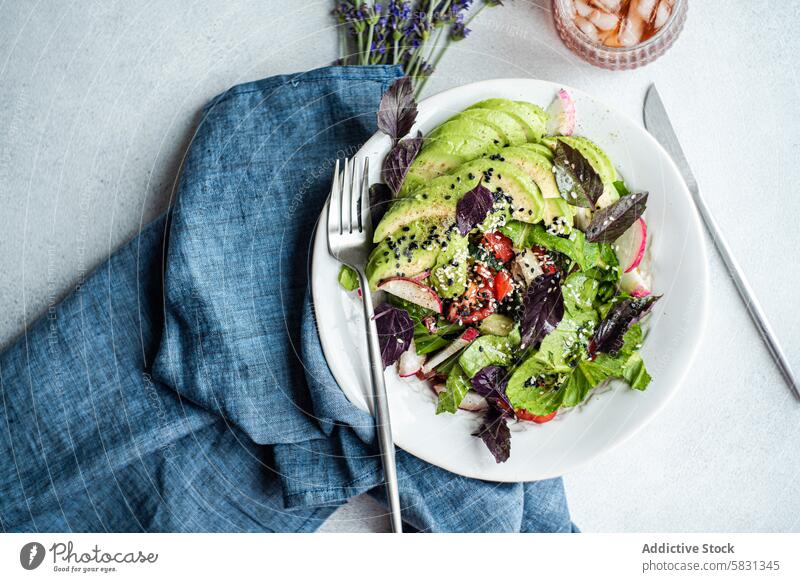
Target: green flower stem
[368, 54]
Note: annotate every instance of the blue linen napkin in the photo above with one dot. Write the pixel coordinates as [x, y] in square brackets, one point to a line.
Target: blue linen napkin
[182, 386]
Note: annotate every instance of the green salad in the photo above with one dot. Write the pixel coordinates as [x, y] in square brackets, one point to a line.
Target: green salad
[512, 256]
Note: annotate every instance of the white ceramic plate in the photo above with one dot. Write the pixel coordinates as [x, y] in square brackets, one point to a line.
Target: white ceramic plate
[674, 330]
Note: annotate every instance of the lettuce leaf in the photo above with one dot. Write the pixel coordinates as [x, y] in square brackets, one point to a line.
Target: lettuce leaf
[588, 256]
[456, 388]
[580, 292]
[538, 398]
[588, 374]
[560, 373]
[635, 373]
[488, 350]
[567, 342]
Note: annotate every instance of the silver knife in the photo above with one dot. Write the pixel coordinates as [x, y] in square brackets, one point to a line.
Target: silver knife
[657, 123]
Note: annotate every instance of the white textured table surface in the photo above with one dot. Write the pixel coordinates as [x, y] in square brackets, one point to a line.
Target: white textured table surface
[98, 100]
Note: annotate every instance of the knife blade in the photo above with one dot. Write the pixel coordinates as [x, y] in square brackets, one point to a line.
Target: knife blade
[657, 122]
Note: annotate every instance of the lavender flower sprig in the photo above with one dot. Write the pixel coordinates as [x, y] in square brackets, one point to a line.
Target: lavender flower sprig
[411, 33]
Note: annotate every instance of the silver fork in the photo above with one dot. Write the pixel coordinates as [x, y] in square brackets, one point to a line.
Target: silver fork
[349, 240]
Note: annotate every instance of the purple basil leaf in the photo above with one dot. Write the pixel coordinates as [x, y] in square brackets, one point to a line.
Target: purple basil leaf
[473, 208]
[609, 335]
[542, 309]
[398, 160]
[608, 224]
[395, 332]
[495, 434]
[380, 196]
[491, 382]
[577, 181]
[398, 109]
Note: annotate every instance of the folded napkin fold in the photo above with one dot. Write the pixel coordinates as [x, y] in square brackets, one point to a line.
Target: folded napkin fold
[182, 387]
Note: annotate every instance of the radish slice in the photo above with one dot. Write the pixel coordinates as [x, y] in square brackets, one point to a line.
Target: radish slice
[473, 402]
[562, 114]
[631, 245]
[412, 291]
[410, 362]
[635, 283]
[462, 341]
[421, 277]
[430, 323]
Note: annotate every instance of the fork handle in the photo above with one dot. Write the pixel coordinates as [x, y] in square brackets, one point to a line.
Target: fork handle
[381, 409]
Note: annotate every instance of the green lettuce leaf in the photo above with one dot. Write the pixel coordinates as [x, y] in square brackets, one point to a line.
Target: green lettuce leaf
[598, 258]
[635, 373]
[489, 350]
[588, 374]
[580, 292]
[456, 388]
[524, 391]
[567, 342]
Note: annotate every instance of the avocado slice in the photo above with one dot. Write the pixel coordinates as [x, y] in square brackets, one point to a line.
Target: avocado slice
[532, 117]
[463, 127]
[436, 201]
[539, 148]
[558, 208]
[510, 129]
[412, 250]
[600, 162]
[449, 275]
[425, 167]
[535, 165]
[448, 146]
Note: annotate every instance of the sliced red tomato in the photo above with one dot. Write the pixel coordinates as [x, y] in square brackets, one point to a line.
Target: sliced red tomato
[525, 415]
[503, 284]
[500, 245]
[545, 262]
[477, 302]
